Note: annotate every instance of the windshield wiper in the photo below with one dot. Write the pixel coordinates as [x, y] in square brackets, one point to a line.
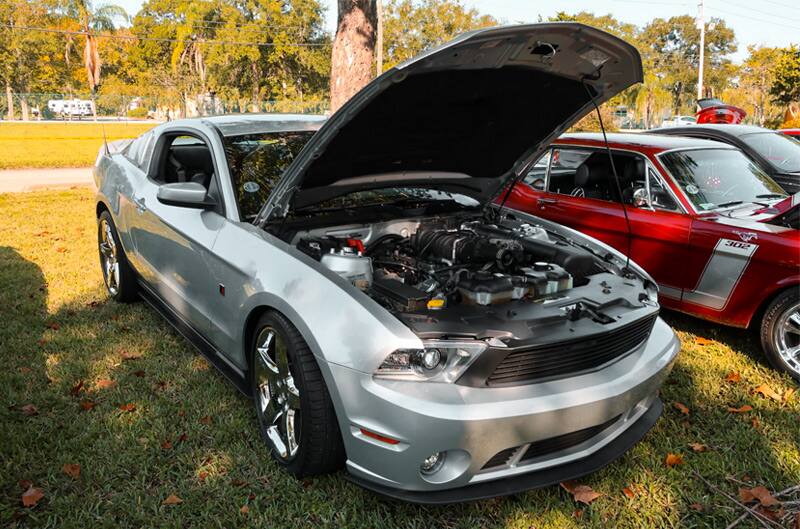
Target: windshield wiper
[771, 195]
[729, 204]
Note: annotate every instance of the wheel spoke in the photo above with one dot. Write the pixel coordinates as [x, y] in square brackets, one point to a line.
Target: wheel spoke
[282, 359]
[265, 395]
[274, 437]
[794, 352]
[288, 431]
[263, 353]
[792, 324]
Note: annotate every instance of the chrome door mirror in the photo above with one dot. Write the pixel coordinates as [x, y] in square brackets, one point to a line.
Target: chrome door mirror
[641, 198]
[185, 194]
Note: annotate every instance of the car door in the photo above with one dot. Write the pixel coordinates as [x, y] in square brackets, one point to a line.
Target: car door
[660, 232]
[174, 243]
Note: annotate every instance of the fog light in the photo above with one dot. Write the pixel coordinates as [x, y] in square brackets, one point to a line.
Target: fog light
[432, 463]
[431, 358]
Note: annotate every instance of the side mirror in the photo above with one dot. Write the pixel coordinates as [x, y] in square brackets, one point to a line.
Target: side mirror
[185, 194]
[641, 198]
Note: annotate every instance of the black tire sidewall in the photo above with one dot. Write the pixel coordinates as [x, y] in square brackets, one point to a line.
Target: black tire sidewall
[771, 315]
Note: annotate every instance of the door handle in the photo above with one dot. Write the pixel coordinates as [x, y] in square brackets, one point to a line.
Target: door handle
[140, 204]
[542, 201]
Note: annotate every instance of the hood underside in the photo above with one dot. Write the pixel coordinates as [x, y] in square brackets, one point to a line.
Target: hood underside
[481, 106]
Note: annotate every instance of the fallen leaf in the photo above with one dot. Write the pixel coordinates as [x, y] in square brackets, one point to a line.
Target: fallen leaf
[238, 483]
[251, 496]
[166, 445]
[697, 507]
[202, 475]
[787, 395]
[61, 249]
[138, 373]
[105, 384]
[29, 410]
[768, 392]
[733, 377]
[206, 420]
[72, 470]
[41, 342]
[699, 340]
[88, 404]
[682, 407]
[755, 422]
[774, 515]
[628, 492]
[25, 369]
[130, 356]
[128, 407]
[245, 509]
[32, 496]
[182, 438]
[580, 493]
[673, 460]
[698, 447]
[760, 494]
[181, 413]
[577, 514]
[74, 390]
[54, 326]
[25, 484]
[742, 409]
[172, 500]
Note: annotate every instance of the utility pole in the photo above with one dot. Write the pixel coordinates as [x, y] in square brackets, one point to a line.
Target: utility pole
[379, 44]
[701, 23]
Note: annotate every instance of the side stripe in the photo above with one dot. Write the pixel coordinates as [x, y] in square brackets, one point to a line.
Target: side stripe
[723, 271]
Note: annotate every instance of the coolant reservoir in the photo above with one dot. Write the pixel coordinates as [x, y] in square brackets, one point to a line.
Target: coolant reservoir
[351, 265]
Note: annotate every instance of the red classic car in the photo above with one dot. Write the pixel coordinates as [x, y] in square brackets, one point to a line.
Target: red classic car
[790, 132]
[718, 235]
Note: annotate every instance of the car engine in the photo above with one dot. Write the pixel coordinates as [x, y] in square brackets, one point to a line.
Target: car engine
[443, 262]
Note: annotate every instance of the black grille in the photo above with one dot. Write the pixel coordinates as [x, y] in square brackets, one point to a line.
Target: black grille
[562, 442]
[550, 445]
[567, 358]
[500, 458]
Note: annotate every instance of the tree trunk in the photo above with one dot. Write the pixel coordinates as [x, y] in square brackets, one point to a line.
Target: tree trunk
[353, 49]
[10, 102]
[23, 107]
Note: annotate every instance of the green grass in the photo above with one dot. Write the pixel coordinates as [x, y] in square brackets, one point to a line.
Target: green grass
[58, 328]
[59, 144]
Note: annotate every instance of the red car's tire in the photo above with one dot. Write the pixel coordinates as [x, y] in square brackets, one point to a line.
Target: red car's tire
[780, 332]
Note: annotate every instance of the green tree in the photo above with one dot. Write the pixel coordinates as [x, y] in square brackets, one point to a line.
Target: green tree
[751, 89]
[786, 82]
[411, 27]
[672, 48]
[623, 30]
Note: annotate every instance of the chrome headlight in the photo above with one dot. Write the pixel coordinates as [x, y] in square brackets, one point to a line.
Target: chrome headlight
[438, 361]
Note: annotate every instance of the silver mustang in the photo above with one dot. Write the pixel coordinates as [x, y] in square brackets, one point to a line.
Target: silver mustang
[361, 280]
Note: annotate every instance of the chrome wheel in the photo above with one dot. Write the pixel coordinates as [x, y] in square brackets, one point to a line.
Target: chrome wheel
[109, 259]
[786, 337]
[278, 399]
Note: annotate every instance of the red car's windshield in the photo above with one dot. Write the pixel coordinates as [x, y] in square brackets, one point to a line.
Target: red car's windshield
[780, 150]
[714, 178]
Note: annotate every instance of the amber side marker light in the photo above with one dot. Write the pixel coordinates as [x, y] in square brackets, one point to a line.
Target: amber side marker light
[379, 437]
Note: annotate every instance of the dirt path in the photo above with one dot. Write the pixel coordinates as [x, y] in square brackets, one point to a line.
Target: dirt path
[16, 180]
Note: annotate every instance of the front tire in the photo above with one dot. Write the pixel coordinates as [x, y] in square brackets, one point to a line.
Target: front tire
[294, 409]
[118, 276]
[780, 332]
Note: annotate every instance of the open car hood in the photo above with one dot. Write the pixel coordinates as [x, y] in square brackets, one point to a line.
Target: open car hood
[464, 117]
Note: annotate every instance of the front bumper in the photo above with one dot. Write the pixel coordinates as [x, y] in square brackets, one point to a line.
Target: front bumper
[474, 424]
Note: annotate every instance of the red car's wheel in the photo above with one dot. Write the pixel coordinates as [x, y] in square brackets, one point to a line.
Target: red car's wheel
[780, 332]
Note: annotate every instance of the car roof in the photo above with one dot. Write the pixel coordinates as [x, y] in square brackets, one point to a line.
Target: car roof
[636, 139]
[238, 124]
[723, 128]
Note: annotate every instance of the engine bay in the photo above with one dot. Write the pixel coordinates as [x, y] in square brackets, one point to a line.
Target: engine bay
[434, 264]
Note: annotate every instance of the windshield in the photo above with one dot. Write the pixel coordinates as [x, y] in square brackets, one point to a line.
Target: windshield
[779, 150]
[717, 178]
[392, 195]
[256, 163]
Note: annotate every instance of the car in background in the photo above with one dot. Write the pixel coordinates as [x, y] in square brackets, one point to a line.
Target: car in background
[790, 132]
[359, 283]
[718, 235]
[677, 121]
[776, 154]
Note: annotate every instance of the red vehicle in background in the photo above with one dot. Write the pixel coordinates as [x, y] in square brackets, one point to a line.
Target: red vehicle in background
[791, 132]
[718, 235]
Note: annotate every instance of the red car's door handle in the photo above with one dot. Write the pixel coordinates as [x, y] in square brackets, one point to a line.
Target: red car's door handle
[543, 201]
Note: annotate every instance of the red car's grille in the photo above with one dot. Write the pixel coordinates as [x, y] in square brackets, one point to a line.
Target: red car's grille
[568, 358]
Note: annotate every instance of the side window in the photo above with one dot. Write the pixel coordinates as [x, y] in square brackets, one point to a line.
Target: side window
[537, 176]
[660, 197]
[581, 173]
